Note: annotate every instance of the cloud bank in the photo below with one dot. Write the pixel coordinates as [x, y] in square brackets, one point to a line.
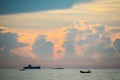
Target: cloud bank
[78, 45]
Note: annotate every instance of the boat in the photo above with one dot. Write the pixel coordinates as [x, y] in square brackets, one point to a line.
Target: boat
[85, 71]
[21, 69]
[57, 68]
[32, 67]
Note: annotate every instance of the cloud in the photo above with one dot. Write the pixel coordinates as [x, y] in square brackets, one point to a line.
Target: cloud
[99, 29]
[9, 41]
[90, 39]
[98, 42]
[93, 44]
[117, 45]
[74, 44]
[2, 29]
[71, 34]
[53, 19]
[42, 47]
[115, 30]
[69, 43]
[69, 47]
[16, 6]
[100, 49]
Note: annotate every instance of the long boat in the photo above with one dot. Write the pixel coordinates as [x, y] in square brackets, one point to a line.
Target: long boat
[56, 68]
[85, 71]
[32, 67]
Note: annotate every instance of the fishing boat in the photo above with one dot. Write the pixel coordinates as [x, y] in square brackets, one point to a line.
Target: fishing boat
[85, 71]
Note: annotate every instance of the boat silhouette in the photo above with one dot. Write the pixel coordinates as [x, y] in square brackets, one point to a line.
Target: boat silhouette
[56, 68]
[85, 71]
[32, 67]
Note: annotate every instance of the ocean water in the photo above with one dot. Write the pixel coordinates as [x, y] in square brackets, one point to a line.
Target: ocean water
[57, 74]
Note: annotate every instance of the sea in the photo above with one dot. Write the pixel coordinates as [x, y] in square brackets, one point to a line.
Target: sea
[59, 74]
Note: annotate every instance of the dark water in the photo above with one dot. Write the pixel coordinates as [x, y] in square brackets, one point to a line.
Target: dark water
[56, 74]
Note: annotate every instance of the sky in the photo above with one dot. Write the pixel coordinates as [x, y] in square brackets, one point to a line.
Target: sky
[64, 33]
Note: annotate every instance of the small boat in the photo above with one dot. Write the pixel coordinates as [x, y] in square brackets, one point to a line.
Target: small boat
[21, 69]
[85, 71]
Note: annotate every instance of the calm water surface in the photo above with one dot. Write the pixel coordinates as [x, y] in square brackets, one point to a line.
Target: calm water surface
[56, 74]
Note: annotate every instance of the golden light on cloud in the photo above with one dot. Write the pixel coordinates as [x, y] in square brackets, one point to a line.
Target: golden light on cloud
[27, 37]
[57, 37]
[24, 52]
[86, 30]
[4, 29]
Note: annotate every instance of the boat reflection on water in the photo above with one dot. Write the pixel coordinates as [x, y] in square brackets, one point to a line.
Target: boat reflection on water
[21, 69]
[56, 68]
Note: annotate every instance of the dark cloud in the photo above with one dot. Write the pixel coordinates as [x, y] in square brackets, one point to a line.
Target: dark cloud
[69, 42]
[99, 29]
[71, 34]
[97, 44]
[8, 41]
[100, 49]
[99, 37]
[117, 45]
[100, 44]
[43, 47]
[103, 48]
[22, 6]
[69, 47]
[117, 30]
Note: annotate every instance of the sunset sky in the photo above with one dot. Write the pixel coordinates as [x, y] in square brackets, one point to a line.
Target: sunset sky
[60, 33]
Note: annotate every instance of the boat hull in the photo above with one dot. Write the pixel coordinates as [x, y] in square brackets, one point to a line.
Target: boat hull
[85, 71]
[31, 67]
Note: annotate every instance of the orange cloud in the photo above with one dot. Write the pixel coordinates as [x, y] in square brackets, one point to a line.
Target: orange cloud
[57, 37]
[4, 29]
[24, 52]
